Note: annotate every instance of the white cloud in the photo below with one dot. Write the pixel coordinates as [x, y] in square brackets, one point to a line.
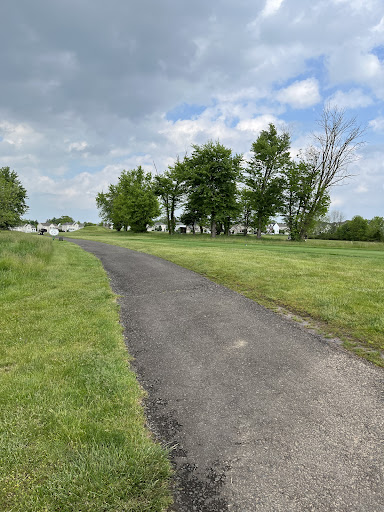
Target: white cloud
[257, 124]
[300, 94]
[377, 124]
[354, 98]
[92, 93]
[354, 63]
[20, 134]
[379, 27]
[356, 4]
[78, 146]
[271, 7]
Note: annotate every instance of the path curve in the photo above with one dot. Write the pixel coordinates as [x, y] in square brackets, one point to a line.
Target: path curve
[261, 414]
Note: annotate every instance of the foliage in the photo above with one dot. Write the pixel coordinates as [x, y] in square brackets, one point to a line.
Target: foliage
[335, 145]
[211, 177]
[326, 226]
[64, 219]
[270, 157]
[12, 199]
[190, 218]
[170, 187]
[246, 216]
[304, 202]
[105, 204]
[30, 221]
[361, 229]
[132, 203]
[375, 231]
[321, 166]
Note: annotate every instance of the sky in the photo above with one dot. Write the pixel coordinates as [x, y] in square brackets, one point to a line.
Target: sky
[89, 88]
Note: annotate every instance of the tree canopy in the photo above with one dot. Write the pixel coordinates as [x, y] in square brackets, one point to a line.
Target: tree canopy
[270, 157]
[170, 187]
[320, 167]
[12, 199]
[64, 219]
[132, 203]
[213, 187]
[212, 174]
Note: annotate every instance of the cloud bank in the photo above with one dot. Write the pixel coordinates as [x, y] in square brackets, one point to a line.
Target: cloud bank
[91, 88]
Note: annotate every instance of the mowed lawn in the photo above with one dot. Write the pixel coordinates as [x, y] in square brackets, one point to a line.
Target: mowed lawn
[340, 285]
[72, 428]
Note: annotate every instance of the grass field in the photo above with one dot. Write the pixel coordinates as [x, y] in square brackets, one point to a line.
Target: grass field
[72, 429]
[338, 285]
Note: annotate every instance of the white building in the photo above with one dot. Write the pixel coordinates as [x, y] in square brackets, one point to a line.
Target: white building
[26, 228]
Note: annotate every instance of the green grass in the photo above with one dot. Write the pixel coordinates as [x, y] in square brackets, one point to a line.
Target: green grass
[339, 285]
[72, 428]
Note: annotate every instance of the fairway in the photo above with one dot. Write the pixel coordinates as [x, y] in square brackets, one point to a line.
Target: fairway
[339, 285]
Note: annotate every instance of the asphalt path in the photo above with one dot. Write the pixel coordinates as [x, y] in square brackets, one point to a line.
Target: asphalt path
[259, 413]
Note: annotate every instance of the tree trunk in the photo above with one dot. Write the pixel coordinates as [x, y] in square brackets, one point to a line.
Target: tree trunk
[168, 220]
[172, 216]
[173, 223]
[213, 227]
[259, 229]
[227, 225]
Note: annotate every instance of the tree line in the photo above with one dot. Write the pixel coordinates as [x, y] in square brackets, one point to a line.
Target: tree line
[218, 188]
[370, 230]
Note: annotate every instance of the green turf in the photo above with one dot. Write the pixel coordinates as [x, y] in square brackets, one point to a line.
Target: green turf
[72, 429]
[338, 284]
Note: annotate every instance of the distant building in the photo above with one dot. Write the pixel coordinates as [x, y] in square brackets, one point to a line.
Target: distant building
[157, 226]
[277, 228]
[237, 229]
[25, 228]
[70, 226]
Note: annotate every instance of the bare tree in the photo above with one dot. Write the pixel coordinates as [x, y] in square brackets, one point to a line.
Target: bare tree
[335, 146]
[322, 165]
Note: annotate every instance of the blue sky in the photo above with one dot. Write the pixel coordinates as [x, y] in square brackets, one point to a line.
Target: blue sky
[91, 88]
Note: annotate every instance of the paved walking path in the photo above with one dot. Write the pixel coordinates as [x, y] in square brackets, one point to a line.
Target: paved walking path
[261, 414]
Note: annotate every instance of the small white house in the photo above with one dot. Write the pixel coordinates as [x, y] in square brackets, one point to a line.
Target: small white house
[158, 226]
[237, 229]
[70, 226]
[26, 228]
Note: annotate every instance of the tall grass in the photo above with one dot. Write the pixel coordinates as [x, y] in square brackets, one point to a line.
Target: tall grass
[338, 284]
[72, 429]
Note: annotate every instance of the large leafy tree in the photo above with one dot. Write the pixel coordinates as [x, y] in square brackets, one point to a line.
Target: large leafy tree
[321, 166]
[131, 203]
[106, 202]
[376, 229]
[12, 199]
[355, 229]
[304, 205]
[170, 187]
[211, 178]
[270, 156]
